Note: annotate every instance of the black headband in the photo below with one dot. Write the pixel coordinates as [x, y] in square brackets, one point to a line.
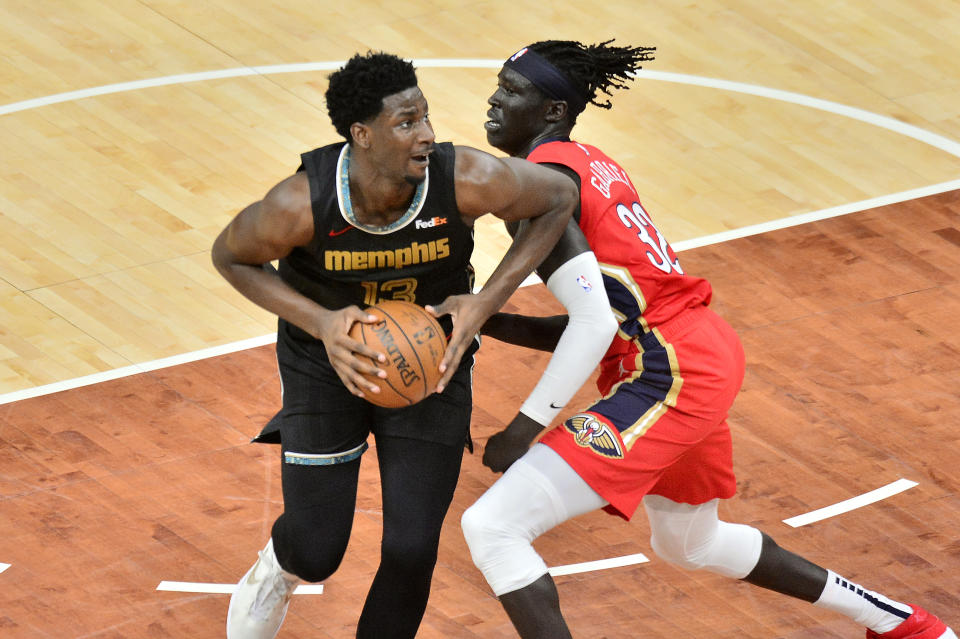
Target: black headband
[546, 77]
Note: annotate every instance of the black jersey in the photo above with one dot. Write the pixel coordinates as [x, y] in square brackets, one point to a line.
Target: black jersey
[423, 257]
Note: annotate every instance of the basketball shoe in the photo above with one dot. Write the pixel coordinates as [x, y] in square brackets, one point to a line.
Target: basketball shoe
[260, 602]
[920, 625]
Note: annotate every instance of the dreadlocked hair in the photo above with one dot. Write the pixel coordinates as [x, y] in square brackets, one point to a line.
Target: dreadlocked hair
[595, 67]
[357, 89]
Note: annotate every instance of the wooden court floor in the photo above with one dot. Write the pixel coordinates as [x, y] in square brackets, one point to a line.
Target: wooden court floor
[849, 325]
[132, 131]
[754, 111]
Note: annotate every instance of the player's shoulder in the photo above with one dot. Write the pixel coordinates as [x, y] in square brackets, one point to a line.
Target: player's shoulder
[567, 149]
[475, 166]
[289, 196]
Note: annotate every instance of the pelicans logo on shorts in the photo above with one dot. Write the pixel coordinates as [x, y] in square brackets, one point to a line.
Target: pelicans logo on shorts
[590, 432]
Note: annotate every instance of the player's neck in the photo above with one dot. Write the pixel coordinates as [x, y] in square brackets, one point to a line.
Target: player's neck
[549, 134]
[377, 197]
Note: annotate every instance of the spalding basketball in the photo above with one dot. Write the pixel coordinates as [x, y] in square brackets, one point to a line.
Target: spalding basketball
[414, 344]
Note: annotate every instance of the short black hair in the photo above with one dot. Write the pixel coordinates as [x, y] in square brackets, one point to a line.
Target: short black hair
[356, 90]
[595, 67]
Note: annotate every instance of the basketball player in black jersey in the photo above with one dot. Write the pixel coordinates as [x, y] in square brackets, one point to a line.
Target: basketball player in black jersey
[388, 214]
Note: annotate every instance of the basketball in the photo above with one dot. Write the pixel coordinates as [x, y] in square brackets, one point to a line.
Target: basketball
[413, 342]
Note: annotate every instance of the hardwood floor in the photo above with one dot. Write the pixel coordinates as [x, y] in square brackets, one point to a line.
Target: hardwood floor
[753, 112]
[110, 489]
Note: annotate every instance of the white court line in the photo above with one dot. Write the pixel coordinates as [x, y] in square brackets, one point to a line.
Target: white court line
[882, 121]
[227, 589]
[683, 245]
[317, 589]
[786, 96]
[136, 369]
[600, 564]
[891, 124]
[4, 566]
[851, 504]
[815, 216]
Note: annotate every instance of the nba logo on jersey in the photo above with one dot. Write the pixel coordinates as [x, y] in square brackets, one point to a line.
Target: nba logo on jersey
[518, 54]
[584, 284]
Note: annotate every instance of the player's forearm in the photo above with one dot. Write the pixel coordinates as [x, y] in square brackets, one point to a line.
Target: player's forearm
[540, 333]
[578, 285]
[529, 248]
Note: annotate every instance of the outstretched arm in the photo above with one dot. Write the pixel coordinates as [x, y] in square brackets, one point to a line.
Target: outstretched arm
[512, 190]
[578, 284]
[540, 333]
[268, 230]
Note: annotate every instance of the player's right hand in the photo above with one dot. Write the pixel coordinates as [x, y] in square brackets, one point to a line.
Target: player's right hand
[343, 350]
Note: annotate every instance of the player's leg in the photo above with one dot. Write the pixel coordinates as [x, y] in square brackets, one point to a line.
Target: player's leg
[307, 541]
[693, 537]
[323, 429]
[539, 491]
[420, 449]
[418, 480]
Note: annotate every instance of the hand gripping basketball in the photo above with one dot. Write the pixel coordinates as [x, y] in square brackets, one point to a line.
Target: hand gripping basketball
[413, 343]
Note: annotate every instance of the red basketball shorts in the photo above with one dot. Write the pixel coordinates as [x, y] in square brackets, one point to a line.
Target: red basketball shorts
[661, 426]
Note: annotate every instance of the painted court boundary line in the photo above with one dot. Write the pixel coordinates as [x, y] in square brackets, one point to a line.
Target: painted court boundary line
[136, 369]
[891, 124]
[683, 245]
[600, 564]
[227, 589]
[317, 589]
[851, 504]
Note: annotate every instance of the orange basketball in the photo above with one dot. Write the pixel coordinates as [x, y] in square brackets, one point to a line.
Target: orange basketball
[414, 344]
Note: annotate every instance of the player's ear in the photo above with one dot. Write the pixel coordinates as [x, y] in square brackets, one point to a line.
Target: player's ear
[361, 135]
[556, 111]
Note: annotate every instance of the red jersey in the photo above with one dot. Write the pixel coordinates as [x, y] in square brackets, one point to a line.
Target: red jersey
[641, 273]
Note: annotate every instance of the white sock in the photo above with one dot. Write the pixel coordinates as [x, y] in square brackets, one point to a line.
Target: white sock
[865, 607]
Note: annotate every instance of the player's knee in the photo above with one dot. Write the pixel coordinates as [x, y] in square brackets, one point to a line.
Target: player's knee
[672, 549]
[311, 562]
[301, 550]
[730, 550]
[479, 531]
[410, 555]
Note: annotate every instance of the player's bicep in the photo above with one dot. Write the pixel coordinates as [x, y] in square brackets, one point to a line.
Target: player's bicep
[484, 184]
[533, 190]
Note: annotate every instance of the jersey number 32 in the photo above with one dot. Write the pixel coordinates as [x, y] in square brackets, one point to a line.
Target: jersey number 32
[658, 251]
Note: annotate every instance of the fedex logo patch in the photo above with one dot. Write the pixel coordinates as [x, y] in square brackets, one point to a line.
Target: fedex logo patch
[432, 222]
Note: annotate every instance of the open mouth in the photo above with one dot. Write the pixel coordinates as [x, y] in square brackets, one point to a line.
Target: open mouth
[421, 159]
[492, 124]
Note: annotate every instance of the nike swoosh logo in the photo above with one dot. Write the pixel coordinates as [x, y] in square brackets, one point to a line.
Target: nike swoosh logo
[340, 232]
[552, 406]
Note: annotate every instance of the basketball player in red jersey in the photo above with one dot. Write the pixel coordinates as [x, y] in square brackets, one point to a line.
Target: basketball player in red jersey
[385, 214]
[668, 377]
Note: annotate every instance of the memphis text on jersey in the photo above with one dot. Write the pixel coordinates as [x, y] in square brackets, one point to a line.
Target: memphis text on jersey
[416, 253]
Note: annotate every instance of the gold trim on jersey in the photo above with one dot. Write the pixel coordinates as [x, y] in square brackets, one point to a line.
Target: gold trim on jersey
[625, 278]
[630, 434]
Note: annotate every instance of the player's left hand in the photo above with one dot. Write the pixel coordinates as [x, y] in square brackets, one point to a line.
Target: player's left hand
[469, 312]
[510, 444]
